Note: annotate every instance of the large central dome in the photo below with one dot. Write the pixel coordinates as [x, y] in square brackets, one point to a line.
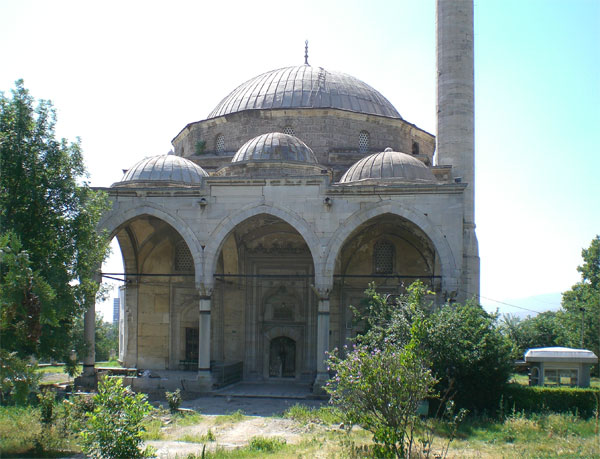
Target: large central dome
[305, 87]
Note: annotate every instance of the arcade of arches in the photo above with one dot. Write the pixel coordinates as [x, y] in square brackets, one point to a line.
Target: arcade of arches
[264, 313]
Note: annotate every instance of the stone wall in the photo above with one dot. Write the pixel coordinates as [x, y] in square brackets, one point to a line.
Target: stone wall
[334, 139]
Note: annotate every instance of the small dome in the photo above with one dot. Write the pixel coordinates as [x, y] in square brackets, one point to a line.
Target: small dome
[304, 86]
[388, 165]
[275, 146]
[165, 168]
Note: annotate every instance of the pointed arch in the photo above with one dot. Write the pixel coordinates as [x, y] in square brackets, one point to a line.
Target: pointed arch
[351, 224]
[116, 218]
[228, 224]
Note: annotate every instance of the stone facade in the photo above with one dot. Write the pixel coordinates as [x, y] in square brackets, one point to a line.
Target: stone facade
[253, 260]
[332, 134]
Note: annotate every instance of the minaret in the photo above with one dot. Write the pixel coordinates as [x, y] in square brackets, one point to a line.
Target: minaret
[456, 121]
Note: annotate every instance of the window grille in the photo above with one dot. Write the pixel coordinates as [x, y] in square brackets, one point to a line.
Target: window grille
[363, 142]
[183, 258]
[383, 257]
[289, 130]
[220, 143]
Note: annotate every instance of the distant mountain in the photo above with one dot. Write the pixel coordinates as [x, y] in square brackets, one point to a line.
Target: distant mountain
[523, 307]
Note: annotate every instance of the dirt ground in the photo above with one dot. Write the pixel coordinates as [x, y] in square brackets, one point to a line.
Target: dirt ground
[260, 422]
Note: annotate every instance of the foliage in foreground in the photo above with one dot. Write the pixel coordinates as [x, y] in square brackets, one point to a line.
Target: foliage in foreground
[49, 245]
[18, 379]
[469, 356]
[461, 343]
[114, 428]
[379, 386]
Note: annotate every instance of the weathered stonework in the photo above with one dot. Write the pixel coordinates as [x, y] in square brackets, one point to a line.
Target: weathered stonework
[249, 271]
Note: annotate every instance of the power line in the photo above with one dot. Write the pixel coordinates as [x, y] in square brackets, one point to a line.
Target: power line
[504, 303]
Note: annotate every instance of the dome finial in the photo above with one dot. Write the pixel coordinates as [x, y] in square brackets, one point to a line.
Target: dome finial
[306, 52]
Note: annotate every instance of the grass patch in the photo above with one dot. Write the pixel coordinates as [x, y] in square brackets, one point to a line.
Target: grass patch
[109, 364]
[187, 418]
[324, 415]
[152, 429]
[209, 436]
[19, 428]
[266, 444]
[23, 435]
[236, 416]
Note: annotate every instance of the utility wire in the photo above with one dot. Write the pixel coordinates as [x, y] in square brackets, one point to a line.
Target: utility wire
[504, 303]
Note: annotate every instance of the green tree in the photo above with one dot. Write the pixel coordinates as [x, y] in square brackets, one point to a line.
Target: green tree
[546, 329]
[582, 303]
[106, 338]
[469, 355]
[48, 219]
[463, 343]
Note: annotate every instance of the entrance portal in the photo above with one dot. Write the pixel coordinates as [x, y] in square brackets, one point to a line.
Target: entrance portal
[282, 358]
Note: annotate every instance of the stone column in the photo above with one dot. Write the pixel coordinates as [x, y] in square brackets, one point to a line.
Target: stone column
[204, 374]
[88, 377]
[456, 121]
[322, 345]
[89, 333]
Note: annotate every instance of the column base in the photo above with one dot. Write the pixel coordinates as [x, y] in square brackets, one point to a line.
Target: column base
[319, 384]
[87, 380]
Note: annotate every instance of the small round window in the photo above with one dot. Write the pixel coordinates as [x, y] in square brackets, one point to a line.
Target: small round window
[363, 142]
[220, 143]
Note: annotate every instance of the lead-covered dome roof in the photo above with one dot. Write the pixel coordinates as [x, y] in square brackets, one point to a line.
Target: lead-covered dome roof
[275, 146]
[165, 168]
[388, 165]
[305, 87]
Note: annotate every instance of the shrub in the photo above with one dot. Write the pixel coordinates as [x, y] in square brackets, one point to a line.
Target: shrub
[381, 389]
[536, 399]
[114, 428]
[469, 356]
[174, 400]
[46, 400]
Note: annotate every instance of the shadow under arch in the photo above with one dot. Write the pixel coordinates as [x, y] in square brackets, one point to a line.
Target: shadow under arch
[115, 219]
[228, 224]
[352, 223]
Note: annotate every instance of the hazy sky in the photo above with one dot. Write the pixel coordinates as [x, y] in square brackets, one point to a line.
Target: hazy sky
[127, 76]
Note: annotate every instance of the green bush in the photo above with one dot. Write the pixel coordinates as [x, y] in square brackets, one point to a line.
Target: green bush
[536, 399]
[381, 388]
[114, 429]
[469, 356]
[174, 400]
[46, 400]
[18, 379]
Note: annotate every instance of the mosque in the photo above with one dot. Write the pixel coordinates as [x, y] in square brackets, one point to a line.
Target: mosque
[244, 249]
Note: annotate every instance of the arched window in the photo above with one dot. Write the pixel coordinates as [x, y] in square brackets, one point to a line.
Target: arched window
[415, 148]
[383, 257]
[289, 130]
[220, 143]
[363, 141]
[183, 258]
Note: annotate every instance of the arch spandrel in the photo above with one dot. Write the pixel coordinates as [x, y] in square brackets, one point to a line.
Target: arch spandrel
[115, 219]
[352, 223]
[228, 224]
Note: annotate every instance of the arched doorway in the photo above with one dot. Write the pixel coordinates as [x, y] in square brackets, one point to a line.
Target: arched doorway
[282, 357]
[262, 294]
